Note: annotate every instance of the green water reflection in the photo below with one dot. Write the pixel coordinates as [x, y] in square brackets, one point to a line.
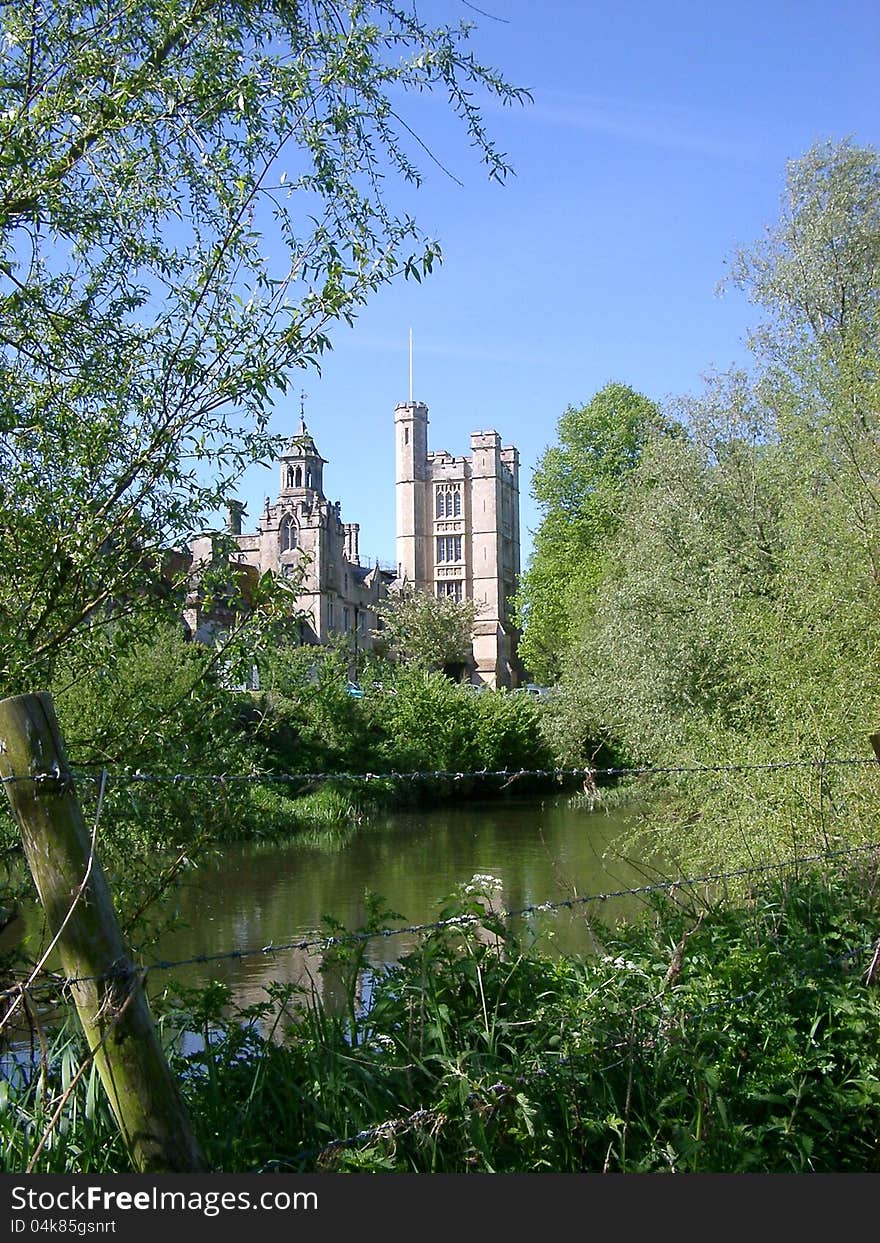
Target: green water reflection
[540, 849]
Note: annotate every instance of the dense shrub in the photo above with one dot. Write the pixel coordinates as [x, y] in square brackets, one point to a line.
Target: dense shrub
[407, 720]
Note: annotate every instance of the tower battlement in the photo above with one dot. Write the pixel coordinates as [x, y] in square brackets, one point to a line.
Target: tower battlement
[458, 532]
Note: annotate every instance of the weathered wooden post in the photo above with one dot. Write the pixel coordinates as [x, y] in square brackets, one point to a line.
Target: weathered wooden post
[107, 991]
[873, 973]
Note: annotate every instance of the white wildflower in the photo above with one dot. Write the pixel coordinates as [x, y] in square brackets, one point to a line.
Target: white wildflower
[482, 884]
[620, 964]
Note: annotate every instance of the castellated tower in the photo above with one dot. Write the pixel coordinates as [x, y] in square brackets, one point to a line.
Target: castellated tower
[411, 454]
[458, 532]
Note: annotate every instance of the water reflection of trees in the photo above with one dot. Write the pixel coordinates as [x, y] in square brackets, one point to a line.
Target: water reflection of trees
[540, 848]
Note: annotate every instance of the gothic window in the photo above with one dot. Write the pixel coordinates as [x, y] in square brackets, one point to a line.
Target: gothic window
[290, 476]
[299, 477]
[448, 548]
[288, 534]
[447, 502]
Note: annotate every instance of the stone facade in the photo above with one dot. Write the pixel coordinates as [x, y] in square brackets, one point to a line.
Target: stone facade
[301, 535]
[457, 535]
[458, 532]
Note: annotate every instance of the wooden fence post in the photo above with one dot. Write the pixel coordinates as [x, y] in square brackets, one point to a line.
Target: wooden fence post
[107, 991]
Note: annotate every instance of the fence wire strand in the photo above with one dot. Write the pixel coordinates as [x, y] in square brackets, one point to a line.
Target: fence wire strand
[53, 985]
[390, 1128]
[135, 776]
[323, 943]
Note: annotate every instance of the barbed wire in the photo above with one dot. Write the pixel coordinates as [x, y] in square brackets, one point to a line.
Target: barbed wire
[115, 1019]
[44, 957]
[58, 779]
[422, 1117]
[136, 776]
[468, 919]
[389, 1128]
[465, 920]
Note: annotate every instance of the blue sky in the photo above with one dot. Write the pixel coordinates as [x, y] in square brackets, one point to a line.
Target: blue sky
[656, 144]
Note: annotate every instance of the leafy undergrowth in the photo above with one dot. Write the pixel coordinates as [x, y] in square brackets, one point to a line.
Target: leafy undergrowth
[733, 1039]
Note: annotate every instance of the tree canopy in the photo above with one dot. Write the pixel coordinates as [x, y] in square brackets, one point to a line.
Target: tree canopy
[193, 193]
[815, 273]
[579, 484]
[735, 618]
[432, 632]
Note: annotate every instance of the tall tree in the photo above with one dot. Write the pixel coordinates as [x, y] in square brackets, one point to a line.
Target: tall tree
[748, 556]
[737, 619]
[191, 196]
[817, 271]
[665, 657]
[817, 276]
[579, 483]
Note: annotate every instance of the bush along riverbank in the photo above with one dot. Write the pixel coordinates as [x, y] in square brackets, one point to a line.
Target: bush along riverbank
[193, 764]
[179, 718]
[738, 1038]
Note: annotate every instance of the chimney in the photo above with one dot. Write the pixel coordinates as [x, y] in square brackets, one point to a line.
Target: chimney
[235, 510]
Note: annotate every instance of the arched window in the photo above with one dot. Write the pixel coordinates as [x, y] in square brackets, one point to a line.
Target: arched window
[288, 534]
[299, 477]
[290, 476]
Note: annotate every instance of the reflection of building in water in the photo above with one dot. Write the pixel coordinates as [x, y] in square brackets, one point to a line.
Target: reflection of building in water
[312, 979]
[314, 975]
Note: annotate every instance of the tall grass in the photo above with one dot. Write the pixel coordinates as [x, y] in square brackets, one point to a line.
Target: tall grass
[723, 1039]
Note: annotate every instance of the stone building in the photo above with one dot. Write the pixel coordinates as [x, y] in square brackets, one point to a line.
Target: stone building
[302, 534]
[458, 532]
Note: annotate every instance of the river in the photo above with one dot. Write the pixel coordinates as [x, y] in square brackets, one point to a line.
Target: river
[541, 849]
